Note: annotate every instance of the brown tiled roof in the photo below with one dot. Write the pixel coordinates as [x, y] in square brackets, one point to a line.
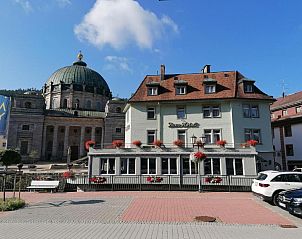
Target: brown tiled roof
[287, 100]
[228, 86]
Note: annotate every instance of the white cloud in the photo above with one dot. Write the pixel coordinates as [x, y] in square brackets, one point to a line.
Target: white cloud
[63, 3]
[120, 22]
[25, 4]
[117, 62]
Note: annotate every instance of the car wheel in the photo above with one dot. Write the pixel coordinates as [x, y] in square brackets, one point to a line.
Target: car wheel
[275, 198]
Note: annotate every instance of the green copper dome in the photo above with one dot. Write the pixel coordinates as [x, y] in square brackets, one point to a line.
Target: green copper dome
[79, 74]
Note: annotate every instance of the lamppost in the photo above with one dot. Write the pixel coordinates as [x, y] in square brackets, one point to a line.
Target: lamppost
[199, 142]
[20, 166]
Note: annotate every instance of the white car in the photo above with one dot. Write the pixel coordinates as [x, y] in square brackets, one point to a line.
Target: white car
[269, 184]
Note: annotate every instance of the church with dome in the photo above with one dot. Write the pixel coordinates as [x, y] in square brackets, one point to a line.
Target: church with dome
[75, 106]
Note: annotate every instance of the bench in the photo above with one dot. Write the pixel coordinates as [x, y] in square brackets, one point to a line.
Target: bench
[36, 185]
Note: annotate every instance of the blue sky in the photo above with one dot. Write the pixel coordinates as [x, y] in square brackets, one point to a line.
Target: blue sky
[124, 40]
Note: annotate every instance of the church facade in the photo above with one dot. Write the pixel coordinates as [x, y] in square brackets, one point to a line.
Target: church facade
[75, 106]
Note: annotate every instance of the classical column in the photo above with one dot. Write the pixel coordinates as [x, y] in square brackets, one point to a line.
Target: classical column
[66, 141]
[44, 143]
[93, 133]
[54, 143]
[82, 141]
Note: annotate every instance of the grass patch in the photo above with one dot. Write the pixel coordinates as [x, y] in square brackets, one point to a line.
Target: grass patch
[11, 204]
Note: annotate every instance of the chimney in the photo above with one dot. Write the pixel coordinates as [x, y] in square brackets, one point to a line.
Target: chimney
[206, 69]
[162, 72]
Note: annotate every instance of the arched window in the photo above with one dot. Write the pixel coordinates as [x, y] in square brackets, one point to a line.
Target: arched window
[88, 104]
[27, 104]
[118, 110]
[77, 104]
[65, 103]
[98, 106]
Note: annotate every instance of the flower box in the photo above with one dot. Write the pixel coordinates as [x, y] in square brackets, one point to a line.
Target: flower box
[213, 180]
[221, 143]
[88, 144]
[154, 179]
[68, 174]
[97, 180]
[178, 143]
[137, 143]
[117, 143]
[157, 143]
[252, 142]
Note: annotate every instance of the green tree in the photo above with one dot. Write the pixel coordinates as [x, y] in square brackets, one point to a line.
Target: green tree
[7, 158]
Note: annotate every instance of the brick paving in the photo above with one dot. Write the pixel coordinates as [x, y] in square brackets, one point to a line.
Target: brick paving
[145, 215]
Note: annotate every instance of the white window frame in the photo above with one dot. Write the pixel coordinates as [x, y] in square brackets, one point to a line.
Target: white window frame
[211, 163]
[181, 109]
[191, 165]
[150, 130]
[181, 90]
[151, 109]
[211, 109]
[234, 166]
[252, 133]
[127, 163]
[169, 165]
[248, 88]
[210, 89]
[152, 90]
[212, 134]
[148, 166]
[248, 108]
[107, 166]
[184, 133]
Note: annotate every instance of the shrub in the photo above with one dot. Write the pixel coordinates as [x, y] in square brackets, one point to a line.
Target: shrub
[11, 204]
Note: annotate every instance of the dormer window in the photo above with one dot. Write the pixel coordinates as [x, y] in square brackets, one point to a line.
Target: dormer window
[209, 89]
[152, 90]
[248, 88]
[181, 90]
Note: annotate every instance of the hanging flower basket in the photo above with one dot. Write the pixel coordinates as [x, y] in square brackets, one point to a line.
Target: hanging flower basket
[221, 143]
[157, 143]
[88, 144]
[213, 180]
[117, 143]
[154, 179]
[97, 179]
[252, 142]
[197, 156]
[68, 174]
[178, 143]
[137, 143]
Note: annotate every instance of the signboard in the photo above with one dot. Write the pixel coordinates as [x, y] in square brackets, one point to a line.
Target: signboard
[183, 125]
[4, 111]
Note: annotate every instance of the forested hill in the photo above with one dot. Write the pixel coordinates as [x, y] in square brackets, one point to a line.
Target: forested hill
[16, 92]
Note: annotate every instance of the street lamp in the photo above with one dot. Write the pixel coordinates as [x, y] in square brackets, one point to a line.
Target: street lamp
[20, 166]
[199, 142]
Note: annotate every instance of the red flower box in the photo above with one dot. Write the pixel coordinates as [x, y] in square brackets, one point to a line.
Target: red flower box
[252, 142]
[137, 143]
[178, 143]
[157, 143]
[199, 155]
[221, 143]
[98, 180]
[154, 179]
[68, 174]
[88, 144]
[117, 143]
[213, 180]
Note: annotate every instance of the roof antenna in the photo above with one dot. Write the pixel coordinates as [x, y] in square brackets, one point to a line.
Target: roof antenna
[283, 88]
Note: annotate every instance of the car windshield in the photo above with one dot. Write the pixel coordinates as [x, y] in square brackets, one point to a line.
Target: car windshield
[261, 176]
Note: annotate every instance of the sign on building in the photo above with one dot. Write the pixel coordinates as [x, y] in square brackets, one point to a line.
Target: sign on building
[4, 112]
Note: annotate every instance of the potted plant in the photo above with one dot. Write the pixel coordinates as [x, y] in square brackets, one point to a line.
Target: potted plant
[137, 143]
[88, 144]
[68, 174]
[154, 179]
[252, 142]
[197, 156]
[157, 143]
[212, 179]
[117, 143]
[97, 179]
[221, 143]
[178, 143]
